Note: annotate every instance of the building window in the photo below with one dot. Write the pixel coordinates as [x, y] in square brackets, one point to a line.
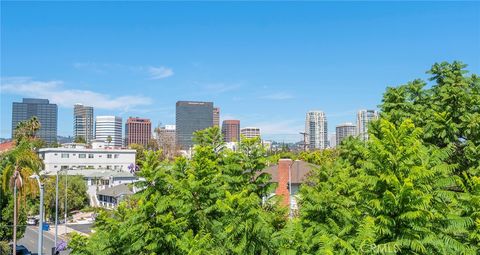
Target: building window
[65, 155]
[82, 155]
[116, 167]
[90, 155]
[54, 166]
[116, 155]
[55, 154]
[109, 155]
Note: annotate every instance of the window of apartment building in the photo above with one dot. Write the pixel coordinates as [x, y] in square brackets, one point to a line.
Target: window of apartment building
[116, 155]
[82, 155]
[54, 166]
[116, 167]
[90, 155]
[109, 155]
[109, 167]
[55, 154]
[65, 155]
[64, 167]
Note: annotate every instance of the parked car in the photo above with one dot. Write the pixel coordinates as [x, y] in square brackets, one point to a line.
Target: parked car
[22, 250]
[32, 221]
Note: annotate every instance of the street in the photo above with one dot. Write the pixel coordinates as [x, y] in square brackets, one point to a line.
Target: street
[30, 241]
[84, 228]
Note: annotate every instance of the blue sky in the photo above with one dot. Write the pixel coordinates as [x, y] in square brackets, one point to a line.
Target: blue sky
[264, 63]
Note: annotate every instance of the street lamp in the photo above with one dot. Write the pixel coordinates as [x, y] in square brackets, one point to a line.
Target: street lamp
[40, 228]
[56, 206]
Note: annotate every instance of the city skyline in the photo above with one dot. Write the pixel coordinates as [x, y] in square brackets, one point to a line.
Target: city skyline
[345, 59]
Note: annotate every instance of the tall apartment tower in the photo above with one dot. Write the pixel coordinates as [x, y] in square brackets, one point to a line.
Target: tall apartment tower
[250, 132]
[45, 112]
[216, 116]
[138, 130]
[317, 130]
[345, 130]
[231, 130]
[364, 117]
[83, 122]
[191, 116]
[106, 126]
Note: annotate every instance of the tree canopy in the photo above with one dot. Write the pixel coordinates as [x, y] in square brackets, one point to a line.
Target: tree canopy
[412, 188]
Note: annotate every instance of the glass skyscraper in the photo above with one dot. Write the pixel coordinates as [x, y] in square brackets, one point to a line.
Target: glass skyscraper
[83, 122]
[43, 110]
[191, 116]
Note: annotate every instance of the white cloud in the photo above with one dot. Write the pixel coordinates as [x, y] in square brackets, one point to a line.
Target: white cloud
[161, 72]
[281, 130]
[54, 91]
[153, 72]
[280, 127]
[278, 96]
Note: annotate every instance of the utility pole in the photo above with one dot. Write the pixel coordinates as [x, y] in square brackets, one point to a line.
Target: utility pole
[304, 140]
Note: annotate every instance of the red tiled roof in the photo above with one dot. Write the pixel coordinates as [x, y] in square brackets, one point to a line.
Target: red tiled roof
[6, 146]
[299, 171]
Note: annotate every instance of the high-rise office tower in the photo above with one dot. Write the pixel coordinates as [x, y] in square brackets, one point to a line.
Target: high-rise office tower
[138, 130]
[231, 130]
[345, 130]
[109, 126]
[216, 116]
[364, 117]
[43, 110]
[191, 116]
[250, 132]
[83, 122]
[317, 130]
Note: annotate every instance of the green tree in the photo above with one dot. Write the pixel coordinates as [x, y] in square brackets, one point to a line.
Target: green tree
[81, 139]
[395, 200]
[24, 161]
[76, 194]
[449, 113]
[140, 155]
[209, 204]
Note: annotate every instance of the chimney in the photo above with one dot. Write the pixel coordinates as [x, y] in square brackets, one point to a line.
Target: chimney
[282, 188]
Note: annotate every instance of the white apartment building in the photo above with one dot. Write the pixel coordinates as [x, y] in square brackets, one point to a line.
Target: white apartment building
[317, 130]
[109, 126]
[345, 130]
[79, 156]
[250, 132]
[364, 117]
[98, 180]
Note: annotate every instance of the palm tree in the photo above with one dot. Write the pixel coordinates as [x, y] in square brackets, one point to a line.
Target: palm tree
[18, 165]
[15, 181]
[27, 129]
[109, 140]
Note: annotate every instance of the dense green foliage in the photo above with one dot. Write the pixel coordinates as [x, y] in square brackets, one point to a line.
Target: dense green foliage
[21, 158]
[209, 204]
[413, 188]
